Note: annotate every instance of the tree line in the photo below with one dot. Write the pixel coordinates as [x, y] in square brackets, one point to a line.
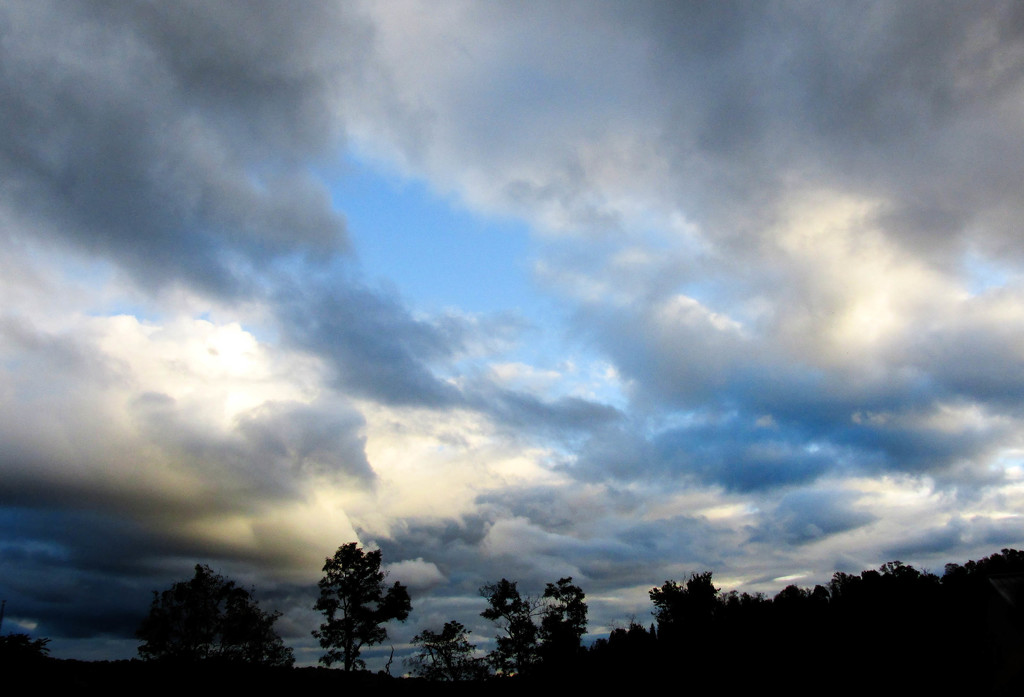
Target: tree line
[210, 618]
[894, 618]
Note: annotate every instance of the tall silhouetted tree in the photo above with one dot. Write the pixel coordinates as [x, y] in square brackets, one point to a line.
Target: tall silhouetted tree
[209, 617]
[516, 650]
[563, 622]
[356, 603]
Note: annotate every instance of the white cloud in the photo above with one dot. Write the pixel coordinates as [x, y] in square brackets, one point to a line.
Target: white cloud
[416, 573]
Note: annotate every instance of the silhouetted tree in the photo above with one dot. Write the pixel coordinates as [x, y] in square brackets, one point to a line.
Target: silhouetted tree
[516, 651]
[21, 649]
[563, 622]
[446, 655]
[792, 596]
[689, 607]
[820, 596]
[356, 603]
[209, 617]
[629, 651]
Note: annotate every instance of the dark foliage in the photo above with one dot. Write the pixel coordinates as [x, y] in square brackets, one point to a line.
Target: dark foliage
[960, 632]
[23, 649]
[211, 618]
[563, 623]
[685, 609]
[516, 651]
[526, 649]
[447, 655]
[891, 625]
[356, 604]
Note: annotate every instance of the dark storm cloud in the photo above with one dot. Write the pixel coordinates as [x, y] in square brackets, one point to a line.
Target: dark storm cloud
[83, 574]
[114, 568]
[169, 137]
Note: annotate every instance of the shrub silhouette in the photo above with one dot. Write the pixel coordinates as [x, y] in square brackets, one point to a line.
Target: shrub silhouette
[210, 618]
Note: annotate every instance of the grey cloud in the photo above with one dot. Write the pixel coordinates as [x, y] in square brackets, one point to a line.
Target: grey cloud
[311, 439]
[604, 540]
[43, 352]
[620, 453]
[686, 540]
[267, 454]
[376, 347]
[452, 544]
[167, 137]
[904, 101]
[758, 465]
[807, 516]
[964, 536]
[604, 557]
[934, 541]
[730, 450]
[566, 535]
[563, 419]
[974, 356]
[547, 509]
[176, 141]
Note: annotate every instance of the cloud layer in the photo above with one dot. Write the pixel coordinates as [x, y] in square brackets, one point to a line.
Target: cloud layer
[782, 241]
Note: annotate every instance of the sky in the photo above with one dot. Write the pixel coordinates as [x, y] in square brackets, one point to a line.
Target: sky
[616, 291]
